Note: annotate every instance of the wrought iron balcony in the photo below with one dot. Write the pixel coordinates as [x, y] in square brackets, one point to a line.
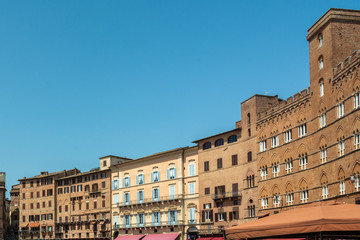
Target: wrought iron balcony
[219, 196]
[151, 200]
[148, 224]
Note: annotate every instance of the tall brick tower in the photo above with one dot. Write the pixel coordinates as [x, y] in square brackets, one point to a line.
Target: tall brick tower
[334, 37]
[2, 205]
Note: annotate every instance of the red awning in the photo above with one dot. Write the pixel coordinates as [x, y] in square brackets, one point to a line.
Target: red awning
[129, 237]
[217, 238]
[168, 236]
[34, 225]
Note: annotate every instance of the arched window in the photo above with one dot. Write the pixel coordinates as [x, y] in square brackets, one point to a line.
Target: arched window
[207, 145]
[320, 39]
[232, 138]
[321, 62]
[219, 142]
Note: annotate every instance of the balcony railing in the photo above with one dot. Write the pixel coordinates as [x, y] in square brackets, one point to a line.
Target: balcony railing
[149, 224]
[151, 200]
[226, 195]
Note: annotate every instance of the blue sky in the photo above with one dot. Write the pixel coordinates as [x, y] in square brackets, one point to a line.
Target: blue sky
[84, 79]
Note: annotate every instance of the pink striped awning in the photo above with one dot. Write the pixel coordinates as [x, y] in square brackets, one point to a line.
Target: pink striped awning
[167, 236]
[129, 237]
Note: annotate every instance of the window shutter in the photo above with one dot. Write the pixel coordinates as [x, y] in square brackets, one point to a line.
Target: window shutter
[216, 217]
[203, 215]
[123, 182]
[175, 216]
[152, 218]
[225, 216]
[152, 177]
[152, 194]
[158, 174]
[137, 180]
[230, 216]
[204, 206]
[175, 172]
[211, 216]
[113, 185]
[124, 222]
[138, 198]
[124, 198]
[137, 219]
[168, 174]
[169, 218]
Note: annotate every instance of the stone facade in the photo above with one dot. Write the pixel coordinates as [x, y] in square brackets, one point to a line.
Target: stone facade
[156, 194]
[14, 211]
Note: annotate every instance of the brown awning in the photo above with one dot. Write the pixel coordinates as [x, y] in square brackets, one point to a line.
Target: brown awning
[318, 217]
[33, 225]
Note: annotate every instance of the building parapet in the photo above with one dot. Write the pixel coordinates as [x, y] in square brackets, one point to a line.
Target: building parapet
[343, 65]
[290, 101]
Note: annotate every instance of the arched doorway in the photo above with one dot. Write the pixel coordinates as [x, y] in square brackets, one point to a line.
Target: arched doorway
[192, 233]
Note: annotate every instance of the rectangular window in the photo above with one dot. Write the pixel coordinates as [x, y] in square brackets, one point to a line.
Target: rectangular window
[322, 120]
[263, 173]
[191, 169]
[323, 154]
[172, 217]
[275, 141]
[79, 188]
[140, 179]
[172, 173]
[289, 165]
[340, 110]
[156, 218]
[127, 198]
[207, 191]
[192, 188]
[219, 163]
[302, 130]
[356, 100]
[357, 183]
[304, 196]
[262, 146]
[276, 200]
[206, 166]
[342, 187]
[127, 221]
[289, 198]
[288, 136]
[115, 198]
[140, 196]
[156, 195]
[141, 219]
[192, 215]
[172, 191]
[325, 191]
[234, 159]
[341, 148]
[276, 169]
[356, 140]
[264, 203]
[126, 181]
[249, 156]
[303, 161]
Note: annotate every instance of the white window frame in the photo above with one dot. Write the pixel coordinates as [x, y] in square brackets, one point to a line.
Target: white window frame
[340, 109]
[288, 136]
[321, 89]
[324, 191]
[302, 130]
[191, 169]
[303, 161]
[357, 182]
[322, 120]
[263, 173]
[276, 169]
[341, 147]
[342, 187]
[262, 145]
[157, 218]
[323, 154]
[221, 217]
[192, 188]
[289, 164]
[290, 198]
[264, 202]
[274, 141]
[357, 140]
[172, 173]
[276, 200]
[357, 100]
[304, 196]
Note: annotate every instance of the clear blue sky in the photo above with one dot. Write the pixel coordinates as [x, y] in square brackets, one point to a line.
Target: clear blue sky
[84, 79]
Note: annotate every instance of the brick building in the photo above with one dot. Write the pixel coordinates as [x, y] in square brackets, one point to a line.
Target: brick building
[288, 153]
[308, 144]
[156, 194]
[2, 205]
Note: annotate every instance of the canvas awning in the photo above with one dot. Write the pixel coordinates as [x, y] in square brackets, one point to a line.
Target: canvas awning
[130, 237]
[33, 225]
[318, 217]
[168, 236]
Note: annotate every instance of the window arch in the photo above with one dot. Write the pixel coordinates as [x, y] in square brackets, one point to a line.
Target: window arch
[219, 142]
[320, 39]
[232, 138]
[206, 145]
